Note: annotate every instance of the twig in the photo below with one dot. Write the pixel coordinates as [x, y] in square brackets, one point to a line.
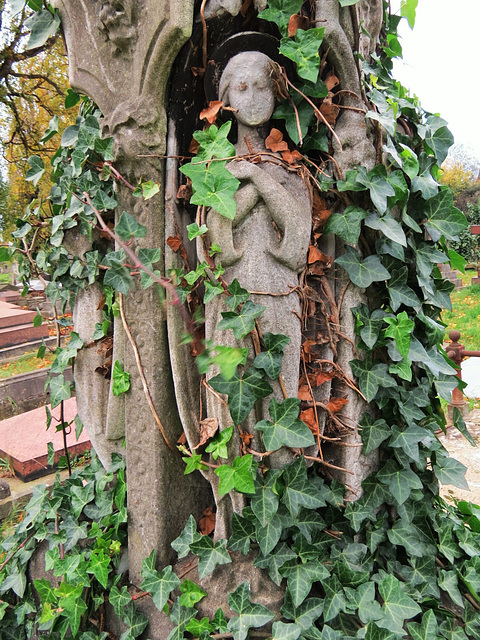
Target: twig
[319, 445]
[8, 558]
[142, 374]
[119, 176]
[64, 434]
[217, 395]
[328, 464]
[192, 565]
[205, 33]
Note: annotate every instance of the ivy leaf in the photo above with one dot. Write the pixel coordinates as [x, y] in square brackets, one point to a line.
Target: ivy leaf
[210, 555]
[118, 277]
[194, 231]
[427, 629]
[242, 392]
[304, 112]
[42, 25]
[443, 219]
[218, 445]
[286, 429]
[249, 614]
[371, 378]
[128, 227]
[400, 481]
[193, 463]
[213, 186]
[228, 359]
[191, 593]
[362, 272]
[280, 12]
[450, 471]
[373, 632]
[335, 600]
[459, 423]
[388, 226]
[439, 142]
[304, 52]
[347, 3]
[409, 439]
[300, 578]
[271, 359]
[269, 534]
[181, 617]
[103, 147]
[363, 598]
[305, 615]
[377, 183]
[397, 606]
[121, 379]
[238, 295]
[119, 599]
[242, 322]
[146, 190]
[408, 10]
[299, 491]
[284, 631]
[274, 560]
[99, 566]
[373, 434]
[159, 585]
[347, 225]
[238, 476]
[60, 389]
[400, 330]
[264, 503]
[243, 531]
[36, 171]
[213, 143]
[189, 535]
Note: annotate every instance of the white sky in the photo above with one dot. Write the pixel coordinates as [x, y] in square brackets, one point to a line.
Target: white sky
[441, 64]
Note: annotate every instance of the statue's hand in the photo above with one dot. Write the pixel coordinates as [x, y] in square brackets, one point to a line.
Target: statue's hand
[243, 170]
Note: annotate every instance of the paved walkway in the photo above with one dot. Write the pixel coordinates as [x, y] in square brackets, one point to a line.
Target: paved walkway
[471, 375]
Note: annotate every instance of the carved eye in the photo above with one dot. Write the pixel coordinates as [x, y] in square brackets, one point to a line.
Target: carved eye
[243, 86]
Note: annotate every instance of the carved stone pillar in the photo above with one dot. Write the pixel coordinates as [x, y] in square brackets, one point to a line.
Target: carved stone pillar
[121, 56]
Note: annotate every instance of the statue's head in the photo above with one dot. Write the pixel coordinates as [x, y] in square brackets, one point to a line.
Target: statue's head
[247, 86]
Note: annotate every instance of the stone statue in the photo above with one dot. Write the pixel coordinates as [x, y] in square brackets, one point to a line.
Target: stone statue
[264, 247]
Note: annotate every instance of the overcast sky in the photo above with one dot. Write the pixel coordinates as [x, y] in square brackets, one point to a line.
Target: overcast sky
[441, 64]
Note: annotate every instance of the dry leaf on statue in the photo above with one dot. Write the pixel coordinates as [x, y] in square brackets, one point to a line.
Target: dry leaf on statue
[297, 22]
[208, 428]
[275, 142]
[336, 404]
[308, 417]
[292, 157]
[206, 524]
[331, 80]
[210, 113]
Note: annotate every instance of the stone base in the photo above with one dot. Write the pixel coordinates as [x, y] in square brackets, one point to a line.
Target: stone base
[476, 280]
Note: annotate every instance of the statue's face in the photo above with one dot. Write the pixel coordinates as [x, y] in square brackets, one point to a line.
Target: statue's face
[250, 88]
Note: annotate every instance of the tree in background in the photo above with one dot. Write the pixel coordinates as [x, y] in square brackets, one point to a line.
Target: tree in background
[34, 98]
[461, 172]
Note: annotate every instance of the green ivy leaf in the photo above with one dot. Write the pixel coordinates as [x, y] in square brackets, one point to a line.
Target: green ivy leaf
[264, 503]
[373, 433]
[60, 389]
[99, 566]
[228, 359]
[450, 471]
[218, 445]
[388, 226]
[397, 606]
[213, 142]
[121, 379]
[362, 272]
[249, 614]
[42, 25]
[274, 560]
[181, 617]
[299, 492]
[199, 628]
[159, 585]
[135, 619]
[118, 277]
[304, 116]
[377, 183]
[400, 481]
[242, 322]
[303, 50]
[427, 629]
[36, 171]
[280, 12]
[439, 142]
[443, 219]
[194, 463]
[210, 555]
[371, 378]
[400, 330]
[286, 428]
[128, 227]
[194, 231]
[238, 476]
[285, 631]
[347, 225]
[189, 535]
[242, 392]
[271, 359]
[335, 600]
[408, 10]
[213, 186]
[243, 532]
[300, 578]
[238, 295]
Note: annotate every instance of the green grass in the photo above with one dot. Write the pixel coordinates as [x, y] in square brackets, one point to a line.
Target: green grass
[465, 316]
[25, 363]
[5, 278]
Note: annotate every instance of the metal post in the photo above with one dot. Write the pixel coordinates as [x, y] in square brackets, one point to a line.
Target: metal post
[455, 352]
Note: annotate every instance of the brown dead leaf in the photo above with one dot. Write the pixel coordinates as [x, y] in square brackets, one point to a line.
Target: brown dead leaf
[323, 376]
[104, 234]
[308, 417]
[329, 111]
[246, 437]
[197, 346]
[336, 404]
[101, 304]
[208, 428]
[206, 524]
[275, 141]
[304, 393]
[292, 157]
[210, 113]
[182, 439]
[315, 255]
[320, 212]
[331, 80]
[185, 191]
[193, 146]
[297, 22]
[174, 242]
